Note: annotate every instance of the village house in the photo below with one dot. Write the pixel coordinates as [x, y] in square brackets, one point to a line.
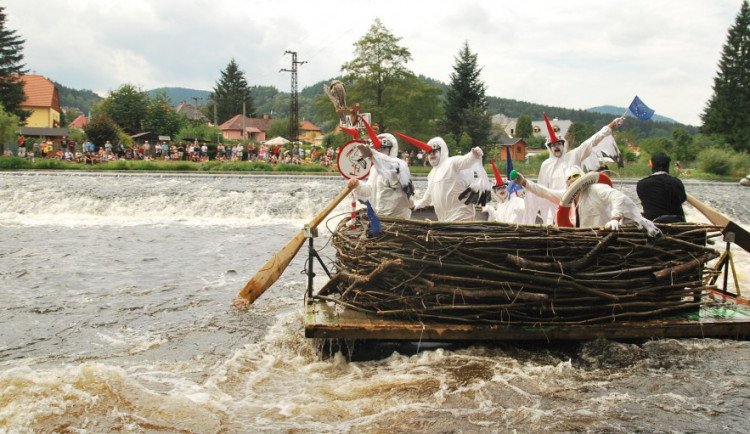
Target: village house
[257, 128]
[43, 101]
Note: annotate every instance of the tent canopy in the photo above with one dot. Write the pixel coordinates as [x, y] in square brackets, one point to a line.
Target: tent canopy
[278, 140]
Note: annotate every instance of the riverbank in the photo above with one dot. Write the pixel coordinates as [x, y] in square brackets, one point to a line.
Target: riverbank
[259, 167]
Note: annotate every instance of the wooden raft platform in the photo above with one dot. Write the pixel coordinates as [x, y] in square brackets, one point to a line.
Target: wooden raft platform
[716, 320]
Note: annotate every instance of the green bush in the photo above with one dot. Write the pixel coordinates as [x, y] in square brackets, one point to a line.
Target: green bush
[14, 163]
[716, 161]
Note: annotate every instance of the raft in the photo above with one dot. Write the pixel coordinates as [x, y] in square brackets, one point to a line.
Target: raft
[424, 280]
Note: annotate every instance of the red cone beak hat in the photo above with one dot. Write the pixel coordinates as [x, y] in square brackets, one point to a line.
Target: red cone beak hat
[353, 131]
[498, 178]
[419, 144]
[371, 133]
[552, 137]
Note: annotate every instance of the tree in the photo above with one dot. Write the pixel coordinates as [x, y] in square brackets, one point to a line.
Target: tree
[374, 77]
[278, 127]
[127, 106]
[728, 111]
[578, 133]
[229, 94]
[11, 68]
[524, 128]
[8, 126]
[161, 117]
[465, 103]
[102, 128]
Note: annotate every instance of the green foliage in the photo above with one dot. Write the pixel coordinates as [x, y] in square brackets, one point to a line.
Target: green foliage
[465, 102]
[379, 65]
[728, 111]
[413, 108]
[578, 133]
[230, 93]
[102, 128]
[536, 142]
[8, 126]
[11, 56]
[127, 107]
[197, 130]
[278, 127]
[84, 100]
[161, 117]
[715, 160]
[524, 129]
[14, 163]
[77, 135]
[653, 145]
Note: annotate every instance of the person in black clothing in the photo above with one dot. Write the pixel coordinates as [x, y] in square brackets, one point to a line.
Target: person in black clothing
[661, 194]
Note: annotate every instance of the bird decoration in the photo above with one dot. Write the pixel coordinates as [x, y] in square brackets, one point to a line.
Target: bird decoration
[337, 93]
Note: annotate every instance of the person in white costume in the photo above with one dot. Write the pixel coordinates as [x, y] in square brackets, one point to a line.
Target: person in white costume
[551, 173]
[509, 207]
[596, 205]
[454, 184]
[389, 186]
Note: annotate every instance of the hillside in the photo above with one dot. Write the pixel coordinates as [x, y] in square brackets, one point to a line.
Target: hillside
[269, 100]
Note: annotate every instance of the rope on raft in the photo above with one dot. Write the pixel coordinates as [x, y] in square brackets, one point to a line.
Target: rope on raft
[502, 273]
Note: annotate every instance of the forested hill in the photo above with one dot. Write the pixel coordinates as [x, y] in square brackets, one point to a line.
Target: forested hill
[269, 100]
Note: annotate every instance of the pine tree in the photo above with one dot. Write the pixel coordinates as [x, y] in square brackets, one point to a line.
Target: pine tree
[11, 68]
[727, 113]
[230, 92]
[466, 103]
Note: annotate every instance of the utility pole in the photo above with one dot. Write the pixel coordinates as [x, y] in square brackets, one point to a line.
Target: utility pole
[294, 100]
[195, 108]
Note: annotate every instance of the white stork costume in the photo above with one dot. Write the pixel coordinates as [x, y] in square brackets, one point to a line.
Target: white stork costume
[510, 208]
[455, 184]
[552, 171]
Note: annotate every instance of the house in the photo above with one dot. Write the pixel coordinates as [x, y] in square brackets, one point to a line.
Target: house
[517, 146]
[257, 128]
[42, 100]
[80, 122]
[508, 125]
[309, 133]
[254, 128]
[191, 112]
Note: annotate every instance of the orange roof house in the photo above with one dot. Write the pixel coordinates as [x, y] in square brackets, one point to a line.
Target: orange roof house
[79, 122]
[255, 128]
[42, 100]
[310, 133]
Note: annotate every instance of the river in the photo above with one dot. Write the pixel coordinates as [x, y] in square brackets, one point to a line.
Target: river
[116, 316]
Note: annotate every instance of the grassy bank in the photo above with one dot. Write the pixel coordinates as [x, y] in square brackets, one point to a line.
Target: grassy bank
[532, 170]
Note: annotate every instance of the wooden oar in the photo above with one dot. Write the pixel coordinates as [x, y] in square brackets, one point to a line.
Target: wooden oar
[741, 236]
[270, 273]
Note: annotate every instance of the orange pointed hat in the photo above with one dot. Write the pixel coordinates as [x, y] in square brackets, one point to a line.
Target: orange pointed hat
[418, 143]
[370, 132]
[498, 179]
[354, 132]
[552, 137]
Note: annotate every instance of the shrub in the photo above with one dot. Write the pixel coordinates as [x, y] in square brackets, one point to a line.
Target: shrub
[716, 161]
[14, 163]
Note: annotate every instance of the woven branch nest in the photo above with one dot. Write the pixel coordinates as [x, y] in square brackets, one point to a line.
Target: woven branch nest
[518, 274]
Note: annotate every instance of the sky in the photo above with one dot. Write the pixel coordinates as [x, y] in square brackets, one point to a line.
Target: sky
[574, 54]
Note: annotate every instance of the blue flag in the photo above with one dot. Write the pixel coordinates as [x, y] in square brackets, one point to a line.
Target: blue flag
[374, 220]
[512, 186]
[640, 110]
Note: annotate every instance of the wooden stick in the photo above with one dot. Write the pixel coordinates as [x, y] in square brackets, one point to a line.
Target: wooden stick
[272, 270]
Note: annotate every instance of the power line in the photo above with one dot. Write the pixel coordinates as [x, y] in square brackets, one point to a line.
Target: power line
[294, 100]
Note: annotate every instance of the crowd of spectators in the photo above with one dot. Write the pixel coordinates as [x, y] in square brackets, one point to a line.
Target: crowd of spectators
[88, 153]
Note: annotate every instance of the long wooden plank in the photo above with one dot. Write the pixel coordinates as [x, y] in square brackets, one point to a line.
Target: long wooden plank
[323, 320]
